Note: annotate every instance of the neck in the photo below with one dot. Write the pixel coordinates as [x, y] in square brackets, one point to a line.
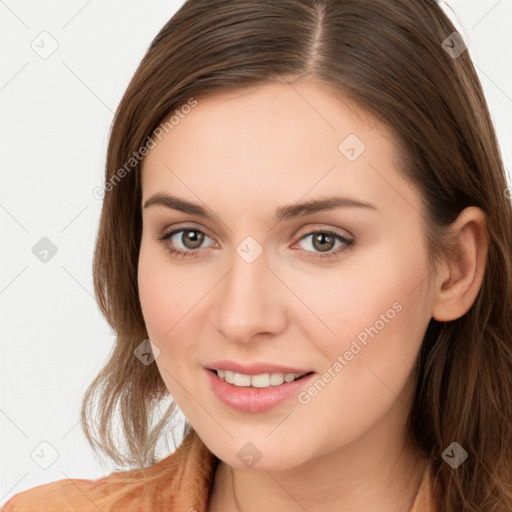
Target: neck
[374, 469]
[334, 490]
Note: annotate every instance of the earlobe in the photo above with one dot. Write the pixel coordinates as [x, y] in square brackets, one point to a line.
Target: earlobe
[460, 275]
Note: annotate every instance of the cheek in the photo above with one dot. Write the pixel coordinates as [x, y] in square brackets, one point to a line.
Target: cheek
[155, 303]
[164, 291]
[166, 297]
[172, 297]
[375, 299]
[379, 317]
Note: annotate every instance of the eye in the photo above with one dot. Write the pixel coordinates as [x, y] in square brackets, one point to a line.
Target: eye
[191, 240]
[324, 241]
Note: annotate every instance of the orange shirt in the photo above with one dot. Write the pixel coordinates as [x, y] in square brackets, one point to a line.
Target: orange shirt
[181, 482]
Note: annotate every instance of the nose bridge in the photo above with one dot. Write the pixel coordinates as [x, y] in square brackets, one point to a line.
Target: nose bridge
[247, 302]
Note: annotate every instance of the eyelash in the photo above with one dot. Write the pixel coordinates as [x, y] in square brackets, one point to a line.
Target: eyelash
[177, 253]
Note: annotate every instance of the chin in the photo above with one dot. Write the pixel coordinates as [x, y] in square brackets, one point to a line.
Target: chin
[260, 455]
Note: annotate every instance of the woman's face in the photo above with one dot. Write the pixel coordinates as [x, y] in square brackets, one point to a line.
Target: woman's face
[269, 288]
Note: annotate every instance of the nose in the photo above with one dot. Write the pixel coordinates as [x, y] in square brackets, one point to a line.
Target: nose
[250, 301]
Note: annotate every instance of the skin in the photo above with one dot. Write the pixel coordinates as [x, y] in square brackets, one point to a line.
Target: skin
[242, 155]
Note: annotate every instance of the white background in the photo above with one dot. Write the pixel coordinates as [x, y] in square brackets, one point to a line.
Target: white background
[55, 119]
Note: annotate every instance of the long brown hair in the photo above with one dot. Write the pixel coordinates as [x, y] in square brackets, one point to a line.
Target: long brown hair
[392, 59]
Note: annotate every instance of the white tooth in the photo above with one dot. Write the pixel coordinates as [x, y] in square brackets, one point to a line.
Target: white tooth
[261, 381]
[242, 380]
[276, 379]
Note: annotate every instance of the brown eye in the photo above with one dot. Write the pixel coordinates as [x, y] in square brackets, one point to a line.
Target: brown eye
[184, 242]
[192, 238]
[323, 242]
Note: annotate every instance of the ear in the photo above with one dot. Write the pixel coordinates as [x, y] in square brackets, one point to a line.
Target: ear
[460, 275]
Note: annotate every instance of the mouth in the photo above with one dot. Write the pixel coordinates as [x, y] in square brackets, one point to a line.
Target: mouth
[257, 392]
[262, 380]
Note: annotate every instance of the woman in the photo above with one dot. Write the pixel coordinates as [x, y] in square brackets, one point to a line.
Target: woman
[306, 242]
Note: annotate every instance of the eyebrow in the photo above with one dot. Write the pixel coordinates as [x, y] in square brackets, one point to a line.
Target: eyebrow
[282, 213]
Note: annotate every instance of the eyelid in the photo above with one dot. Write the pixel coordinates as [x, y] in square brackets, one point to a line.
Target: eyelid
[322, 227]
[167, 232]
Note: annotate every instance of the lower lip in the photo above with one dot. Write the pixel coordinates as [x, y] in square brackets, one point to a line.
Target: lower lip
[251, 399]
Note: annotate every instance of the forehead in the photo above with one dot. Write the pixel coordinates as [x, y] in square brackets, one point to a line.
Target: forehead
[272, 112]
[272, 140]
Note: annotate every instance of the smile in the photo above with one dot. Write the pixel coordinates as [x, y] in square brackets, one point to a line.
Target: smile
[263, 380]
[256, 393]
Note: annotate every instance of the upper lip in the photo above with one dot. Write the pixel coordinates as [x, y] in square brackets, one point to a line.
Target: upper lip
[255, 368]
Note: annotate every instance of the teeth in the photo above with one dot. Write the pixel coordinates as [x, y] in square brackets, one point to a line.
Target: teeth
[263, 380]
[276, 379]
[241, 380]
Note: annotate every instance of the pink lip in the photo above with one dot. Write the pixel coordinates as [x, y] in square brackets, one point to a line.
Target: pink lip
[255, 368]
[251, 399]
